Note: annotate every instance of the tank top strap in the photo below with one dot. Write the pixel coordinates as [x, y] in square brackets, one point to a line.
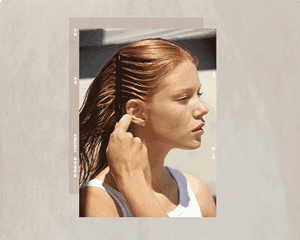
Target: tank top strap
[117, 196]
[188, 205]
[184, 197]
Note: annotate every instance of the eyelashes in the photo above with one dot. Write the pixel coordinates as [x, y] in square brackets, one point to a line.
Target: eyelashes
[199, 94]
[188, 97]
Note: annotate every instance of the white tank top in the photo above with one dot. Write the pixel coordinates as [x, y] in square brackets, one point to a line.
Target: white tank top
[187, 207]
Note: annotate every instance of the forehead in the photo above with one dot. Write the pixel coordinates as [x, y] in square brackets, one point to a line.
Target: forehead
[184, 76]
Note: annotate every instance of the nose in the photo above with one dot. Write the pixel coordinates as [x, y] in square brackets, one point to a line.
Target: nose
[200, 109]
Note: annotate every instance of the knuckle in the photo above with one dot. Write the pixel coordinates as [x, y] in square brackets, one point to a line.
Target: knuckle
[129, 134]
[112, 135]
[137, 140]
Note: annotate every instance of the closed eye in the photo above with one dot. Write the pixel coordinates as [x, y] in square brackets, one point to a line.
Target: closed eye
[188, 97]
[184, 98]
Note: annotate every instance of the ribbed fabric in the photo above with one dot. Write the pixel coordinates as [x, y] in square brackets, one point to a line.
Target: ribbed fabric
[187, 207]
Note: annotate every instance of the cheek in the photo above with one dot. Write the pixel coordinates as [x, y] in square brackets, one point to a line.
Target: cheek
[168, 120]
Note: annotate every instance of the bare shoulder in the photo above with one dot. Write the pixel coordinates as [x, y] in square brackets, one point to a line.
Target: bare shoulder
[203, 195]
[96, 202]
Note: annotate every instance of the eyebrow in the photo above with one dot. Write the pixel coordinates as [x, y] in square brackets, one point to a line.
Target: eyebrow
[182, 90]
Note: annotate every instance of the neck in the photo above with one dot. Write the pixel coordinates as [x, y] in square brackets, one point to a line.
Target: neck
[157, 153]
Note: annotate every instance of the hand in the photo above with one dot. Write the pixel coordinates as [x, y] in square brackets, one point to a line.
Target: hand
[126, 155]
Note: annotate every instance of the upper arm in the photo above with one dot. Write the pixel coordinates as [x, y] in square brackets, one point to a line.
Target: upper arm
[203, 196]
[95, 202]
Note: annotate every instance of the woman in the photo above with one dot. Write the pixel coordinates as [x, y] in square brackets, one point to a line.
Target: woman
[154, 83]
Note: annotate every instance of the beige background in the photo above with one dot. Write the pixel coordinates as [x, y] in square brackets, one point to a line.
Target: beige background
[257, 121]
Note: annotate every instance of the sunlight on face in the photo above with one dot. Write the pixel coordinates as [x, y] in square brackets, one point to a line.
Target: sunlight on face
[175, 110]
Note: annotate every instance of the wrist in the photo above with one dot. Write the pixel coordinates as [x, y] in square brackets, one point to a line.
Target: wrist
[130, 180]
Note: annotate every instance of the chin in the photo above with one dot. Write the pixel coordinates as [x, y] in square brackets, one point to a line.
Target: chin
[192, 146]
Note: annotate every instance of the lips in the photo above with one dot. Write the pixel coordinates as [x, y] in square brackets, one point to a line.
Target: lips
[200, 126]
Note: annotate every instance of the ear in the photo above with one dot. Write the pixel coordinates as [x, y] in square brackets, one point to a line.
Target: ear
[136, 109]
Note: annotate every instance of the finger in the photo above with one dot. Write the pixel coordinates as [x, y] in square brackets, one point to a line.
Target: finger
[129, 135]
[137, 140]
[123, 124]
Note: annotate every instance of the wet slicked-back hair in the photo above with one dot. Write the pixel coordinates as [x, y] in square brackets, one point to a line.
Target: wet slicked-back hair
[141, 67]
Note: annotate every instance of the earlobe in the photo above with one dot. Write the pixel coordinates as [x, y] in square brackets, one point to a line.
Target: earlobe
[135, 108]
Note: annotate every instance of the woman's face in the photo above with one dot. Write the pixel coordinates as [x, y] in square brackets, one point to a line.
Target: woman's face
[175, 111]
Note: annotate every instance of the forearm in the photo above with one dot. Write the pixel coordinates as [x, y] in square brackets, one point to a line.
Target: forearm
[140, 197]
